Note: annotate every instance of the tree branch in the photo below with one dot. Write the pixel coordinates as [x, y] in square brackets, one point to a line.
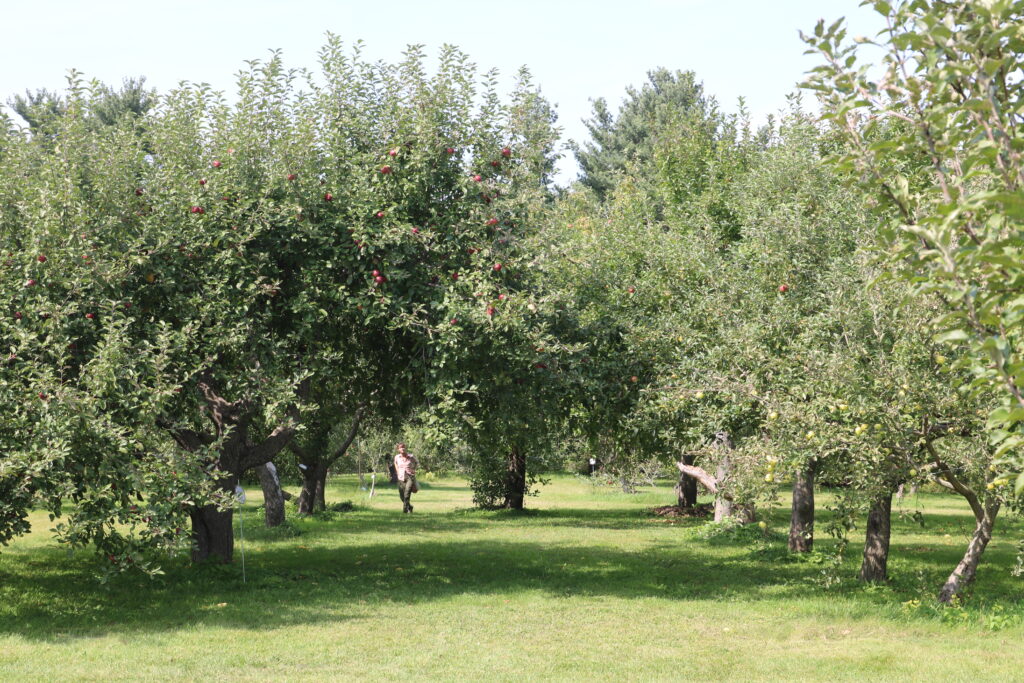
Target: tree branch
[188, 439]
[265, 451]
[343, 448]
[956, 484]
[701, 475]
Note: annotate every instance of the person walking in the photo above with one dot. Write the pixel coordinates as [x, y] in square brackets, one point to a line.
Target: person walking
[405, 467]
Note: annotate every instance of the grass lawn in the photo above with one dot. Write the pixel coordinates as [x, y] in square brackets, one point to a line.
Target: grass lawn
[585, 586]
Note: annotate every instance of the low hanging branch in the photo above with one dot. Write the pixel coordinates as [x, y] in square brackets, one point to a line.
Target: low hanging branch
[701, 475]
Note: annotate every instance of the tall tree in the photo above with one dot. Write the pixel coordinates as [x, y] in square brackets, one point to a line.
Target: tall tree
[628, 137]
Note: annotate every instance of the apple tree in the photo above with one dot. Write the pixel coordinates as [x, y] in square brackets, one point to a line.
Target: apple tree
[948, 76]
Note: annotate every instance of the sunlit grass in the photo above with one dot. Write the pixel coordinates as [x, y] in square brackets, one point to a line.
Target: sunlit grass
[583, 586]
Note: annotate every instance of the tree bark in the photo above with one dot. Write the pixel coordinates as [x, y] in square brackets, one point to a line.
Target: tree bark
[723, 505]
[801, 523]
[686, 487]
[213, 534]
[965, 572]
[311, 499]
[874, 567]
[515, 481]
[273, 496]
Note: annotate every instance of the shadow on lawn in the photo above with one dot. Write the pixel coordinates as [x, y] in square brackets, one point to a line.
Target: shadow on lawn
[286, 586]
[416, 559]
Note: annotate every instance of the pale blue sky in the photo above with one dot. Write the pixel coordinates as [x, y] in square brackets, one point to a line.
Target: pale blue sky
[576, 50]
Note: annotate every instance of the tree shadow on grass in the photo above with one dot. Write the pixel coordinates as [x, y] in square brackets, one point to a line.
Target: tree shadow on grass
[419, 558]
[287, 586]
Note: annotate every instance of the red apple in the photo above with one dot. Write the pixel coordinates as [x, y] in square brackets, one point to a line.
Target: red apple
[90, 316]
[501, 297]
[783, 288]
[385, 169]
[492, 221]
[380, 279]
[497, 267]
[495, 163]
[507, 152]
[292, 176]
[42, 396]
[30, 282]
[477, 178]
[41, 258]
[455, 276]
[380, 214]
[17, 315]
[127, 304]
[202, 181]
[393, 153]
[217, 164]
[328, 197]
[449, 150]
[631, 290]
[415, 231]
[376, 273]
[454, 321]
[490, 311]
[138, 191]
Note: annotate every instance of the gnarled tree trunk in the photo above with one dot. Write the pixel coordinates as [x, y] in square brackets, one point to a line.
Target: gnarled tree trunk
[874, 567]
[212, 533]
[801, 522]
[273, 496]
[515, 480]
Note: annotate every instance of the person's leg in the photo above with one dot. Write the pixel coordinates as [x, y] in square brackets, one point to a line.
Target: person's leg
[410, 481]
[403, 492]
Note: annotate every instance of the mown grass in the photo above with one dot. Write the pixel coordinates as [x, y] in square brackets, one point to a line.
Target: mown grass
[584, 586]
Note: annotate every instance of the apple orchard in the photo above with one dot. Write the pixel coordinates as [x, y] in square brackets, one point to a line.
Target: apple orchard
[213, 284]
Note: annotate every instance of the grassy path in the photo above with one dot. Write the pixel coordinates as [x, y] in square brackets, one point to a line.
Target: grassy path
[584, 587]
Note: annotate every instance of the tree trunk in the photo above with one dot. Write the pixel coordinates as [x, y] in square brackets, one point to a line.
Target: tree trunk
[515, 481]
[686, 487]
[312, 497]
[801, 523]
[874, 568]
[273, 497]
[723, 506]
[213, 536]
[964, 573]
[321, 485]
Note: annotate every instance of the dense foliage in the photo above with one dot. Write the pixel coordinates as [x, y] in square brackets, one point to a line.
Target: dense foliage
[193, 288]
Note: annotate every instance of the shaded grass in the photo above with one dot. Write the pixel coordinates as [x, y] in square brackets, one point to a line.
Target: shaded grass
[585, 585]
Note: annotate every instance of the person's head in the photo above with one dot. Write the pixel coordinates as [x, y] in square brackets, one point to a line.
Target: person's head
[401, 448]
